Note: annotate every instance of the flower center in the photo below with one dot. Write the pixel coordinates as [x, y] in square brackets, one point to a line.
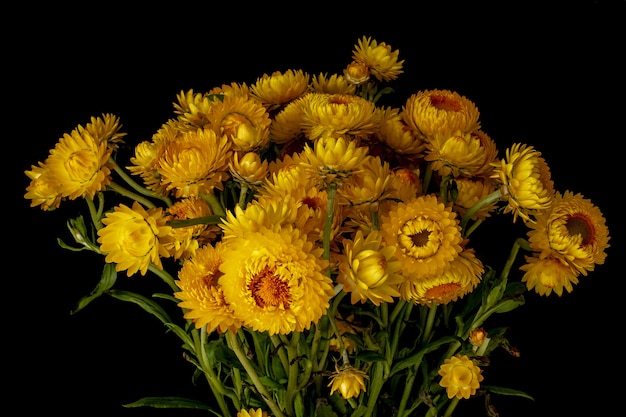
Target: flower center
[442, 291]
[269, 290]
[418, 238]
[445, 103]
[578, 225]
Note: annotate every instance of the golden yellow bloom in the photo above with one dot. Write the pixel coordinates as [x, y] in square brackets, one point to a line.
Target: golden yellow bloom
[335, 84]
[43, 189]
[339, 115]
[357, 73]
[478, 336]
[406, 184]
[252, 413]
[379, 58]
[232, 89]
[459, 154]
[195, 163]
[545, 275]
[243, 120]
[334, 160]
[396, 136]
[133, 238]
[573, 230]
[251, 170]
[471, 191]
[526, 181]
[185, 240]
[349, 381]
[202, 298]
[369, 271]
[192, 109]
[106, 128]
[287, 125]
[460, 278]
[460, 377]
[441, 112]
[426, 234]
[275, 281]
[368, 185]
[279, 88]
[79, 163]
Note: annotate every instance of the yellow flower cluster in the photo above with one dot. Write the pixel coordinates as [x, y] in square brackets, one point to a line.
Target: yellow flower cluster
[306, 219]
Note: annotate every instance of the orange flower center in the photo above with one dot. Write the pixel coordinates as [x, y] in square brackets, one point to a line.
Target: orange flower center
[442, 291]
[269, 290]
[445, 103]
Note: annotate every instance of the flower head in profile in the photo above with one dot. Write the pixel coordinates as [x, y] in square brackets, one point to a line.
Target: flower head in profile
[79, 164]
[333, 160]
[369, 271]
[460, 377]
[200, 294]
[248, 169]
[381, 61]
[133, 238]
[335, 84]
[440, 112]
[459, 279]
[279, 88]
[275, 281]
[195, 163]
[426, 235]
[526, 181]
[253, 412]
[43, 190]
[572, 230]
[348, 381]
[547, 275]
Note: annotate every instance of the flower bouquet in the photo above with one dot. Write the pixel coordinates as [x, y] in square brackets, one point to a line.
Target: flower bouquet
[322, 251]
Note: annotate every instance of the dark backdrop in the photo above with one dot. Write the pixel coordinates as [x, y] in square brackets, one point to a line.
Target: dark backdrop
[548, 77]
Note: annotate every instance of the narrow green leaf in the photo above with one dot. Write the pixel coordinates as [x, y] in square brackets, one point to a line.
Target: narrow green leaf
[170, 402]
[506, 391]
[182, 335]
[370, 356]
[144, 302]
[417, 357]
[107, 280]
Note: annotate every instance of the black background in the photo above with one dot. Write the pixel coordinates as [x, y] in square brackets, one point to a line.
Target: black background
[547, 76]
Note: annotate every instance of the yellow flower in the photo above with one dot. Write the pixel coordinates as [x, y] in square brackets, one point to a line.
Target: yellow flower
[426, 234]
[275, 281]
[107, 129]
[357, 73]
[471, 191]
[79, 163]
[335, 84]
[195, 163]
[441, 112]
[192, 109]
[525, 180]
[287, 125]
[280, 88]
[368, 185]
[185, 240]
[252, 413]
[459, 279]
[202, 298]
[369, 271]
[243, 120]
[394, 135]
[573, 230]
[379, 58]
[251, 170]
[339, 115]
[43, 190]
[459, 154]
[334, 160]
[460, 377]
[133, 238]
[478, 336]
[545, 275]
[349, 381]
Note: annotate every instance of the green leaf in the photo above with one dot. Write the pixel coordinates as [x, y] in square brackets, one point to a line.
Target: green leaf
[170, 402]
[107, 280]
[182, 335]
[417, 357]
[218, 352]
[370, 356]
[506, 305]
[147, 304]
[506, 391]
[325, 410]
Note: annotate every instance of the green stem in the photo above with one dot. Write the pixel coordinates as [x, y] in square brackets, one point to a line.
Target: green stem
[376, 384]
[133, 196]
[519, 243]
[484, 202]
[243, 359]
[292, 378]
[135, 186]
[451, 407]
[406, 392]
[243, 195]
[216, 207]
[428, 327]
[328, 224]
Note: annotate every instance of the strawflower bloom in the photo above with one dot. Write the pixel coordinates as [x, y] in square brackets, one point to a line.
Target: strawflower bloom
[348, 381]
[253, 412]
[460, 377]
